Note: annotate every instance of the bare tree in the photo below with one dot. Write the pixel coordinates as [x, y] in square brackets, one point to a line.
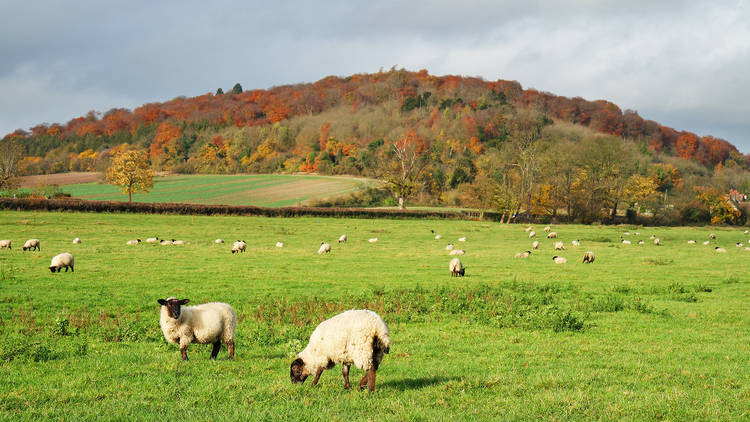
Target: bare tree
[11, 153]
[402, 172]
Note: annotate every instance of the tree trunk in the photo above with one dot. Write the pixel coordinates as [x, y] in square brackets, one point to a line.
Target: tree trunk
[400, 202]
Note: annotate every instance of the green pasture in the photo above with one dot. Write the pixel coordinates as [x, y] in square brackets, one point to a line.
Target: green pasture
[271, 190]
[646, 332]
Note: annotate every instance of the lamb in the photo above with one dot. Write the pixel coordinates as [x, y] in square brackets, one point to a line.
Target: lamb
[133, 242]
[449, 247]
[462, 239]
[523, 254]
[691, 242]
[32, 244]
[720, 250]
[219, 241]
[372, 240]
[152, 240]
[64, 259]
[560, 259]
[657, 241]
[356, 337]
[239, 246]
[279, 244]
[576, 243]
[342, 238]
[456, 268]
[5, 243]
[559, 246]
[532, 234]
[212, 322]
[324, 248]
[588, 257]
[548, 228]
[457, 252]
[76, 241]
[535, 244]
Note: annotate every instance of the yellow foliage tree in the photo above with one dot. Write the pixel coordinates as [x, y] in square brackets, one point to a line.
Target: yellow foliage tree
[130, 171]
[640, 190]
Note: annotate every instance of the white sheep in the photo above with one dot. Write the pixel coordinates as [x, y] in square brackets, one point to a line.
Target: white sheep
[637, 233]
[462, 239]
[559, 246]
[657, 241]
[324, 248]
[32, 244]
[532, 234]
[560, 259]
[152, 240]
[64, 259]
[576, 243]
[76, 241]
[720, 250]
[449, 247]
[239, 246]
[207, 323]
[356, 337]
[588, 257]
[626, 233]
[548, 228]
[712, 236]
[535, 244]
[5, 243]
[739, 244]
[746, 232]
[691, 242]
[133, 242]
[706, 242]
[178, 242]
[552, 235]
[167, 242]
[641, 242]
[279, 244]
[522, 254]
[652, 237]
[342, 238]
[372, 240]
[625, 242]
[457, 252]
[438, 236]
[456, 268]
[747, 248]
[219, 241]
[528, 229]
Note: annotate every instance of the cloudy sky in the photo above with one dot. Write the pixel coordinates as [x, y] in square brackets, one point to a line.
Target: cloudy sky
[684, 64]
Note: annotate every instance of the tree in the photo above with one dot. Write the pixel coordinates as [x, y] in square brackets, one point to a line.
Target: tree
[237, 89]
[11, 152]
[130, 171]
[219, 91]
[403, 171]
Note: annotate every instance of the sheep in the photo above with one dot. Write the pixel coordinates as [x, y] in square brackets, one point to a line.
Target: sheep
[652, 237]
[457, 269]
[372, 240]
[166, 242]
[462, 239]
[178, 242]
[560, 259]
[576, 243]
[657, 241]
[5, 243]
[625, 242]
[457, 252]
[626, 233]
[219, 241]
[239, 246]
[355, 337]
[637, 233]
[739, 244]
[535, 244]
[133, 242]
[64, 259]
[324, 248]
[532, 234]
[279, 244]
[548, 228]
[747, 248]
[32, 244]
[559, 246]
[76, 241]
[342, 238]
[588, 257]
[746, 232]
[212, 322]
[691, 242]
[641, 242]
[449, 247]
[720, 250]
[152, 240]
[438, 236]
[552, 235]
[706, 242]
[712, 236]
[523, 254]
[528, 229]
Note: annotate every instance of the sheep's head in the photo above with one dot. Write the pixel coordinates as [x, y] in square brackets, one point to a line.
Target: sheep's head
[462, 271]
[297, 372]
[53, 268]
[173, 306]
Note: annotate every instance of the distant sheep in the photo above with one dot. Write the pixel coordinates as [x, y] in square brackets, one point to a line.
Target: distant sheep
[552, 235]
[626, 233]
[133, 242]
[528, 229]
[746, 231]
[342, 238]
[32, 244]
[462, 239]
[535, 244]
[219, 241]
[207, 323]
[657, 241]
[63, 260]
[76, 241]
[720, 250]
[712, 236]
[548, 228]
[324, 248]
[457, 252]
[178, 242]
[449, 247]
[532, 234]
[523, 254]
[239, 246]
[706, 242]
[456, 268]
[279, 244]
[691, 242]
[166, 242]
[625, 242]
[747, 248]
[559, 246]
[5, 243]
[152, 240]
[738, 244]
[560, 259]
[438, 237]
[576, 243]
[372, 240]
[637, 233]
[652, 237]
[356, 337]
[641, 242]
[588, 257]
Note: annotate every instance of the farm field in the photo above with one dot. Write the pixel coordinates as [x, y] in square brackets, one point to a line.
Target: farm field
[270, 190]
[645, 332]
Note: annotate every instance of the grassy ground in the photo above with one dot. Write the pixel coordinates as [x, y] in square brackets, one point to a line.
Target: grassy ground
[262, 190]
[645, 332]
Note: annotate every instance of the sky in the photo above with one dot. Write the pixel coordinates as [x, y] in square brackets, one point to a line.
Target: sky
[683, 64]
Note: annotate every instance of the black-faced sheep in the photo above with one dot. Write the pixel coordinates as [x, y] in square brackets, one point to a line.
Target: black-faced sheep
[76, 241]
[588, 257]
[219, 241]
[720, 250]
[152, 240]
[457, 269]
[523, 254]
[712, 236]
[559, 246]
[207, 323]
[324, 248]
[342, 238]
[560, 259]
[239, 246]
[535, 244]
[552, 235]
[32, 244]
[5, 244]
[133, 242]
[449, 247]
[62, 260]
[356, 337]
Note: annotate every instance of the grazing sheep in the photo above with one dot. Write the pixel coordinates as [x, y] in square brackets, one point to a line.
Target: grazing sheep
[588, 257]
[747, 248]
[625, 242]
[457, 252]
[657, 241]
[342, 238]
[552, 235]
[548, 228]
[523, 254]
[712, 236]
[166, 242]
[279, 244]
[462, 239]
[641, 242]
[637, 234]
[576, 243]
[457, 269]
[356, 337]
[449, 247]
[178, 242]
[739, 244]
[528, 229]
[62, 260]
[207, 323]
[706, 242]
[627, 233]
[535, 244]
[720, 250]
[152, 240]
[532, 234]
[560, 259]
[746, 232]
[5, 243]
[438, 237]
[652, 237]
[372, 240]
[559, 246]
[691, 242]
[32, 244]
[239, 246]
[324, 248]
[133, 242]
[76, 241]
[218, 241]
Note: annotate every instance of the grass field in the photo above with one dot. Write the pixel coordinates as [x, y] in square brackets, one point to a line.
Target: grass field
[272, 190]
[646, 332]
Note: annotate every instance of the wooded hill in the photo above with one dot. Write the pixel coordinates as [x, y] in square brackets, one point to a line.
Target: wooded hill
[352, 125]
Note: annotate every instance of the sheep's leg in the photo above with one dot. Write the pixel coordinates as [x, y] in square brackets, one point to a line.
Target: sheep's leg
[363, 381]
[371, 380]
[231, 350]
[215, 350]
[345, 373]
[317, 375]
[183, 352]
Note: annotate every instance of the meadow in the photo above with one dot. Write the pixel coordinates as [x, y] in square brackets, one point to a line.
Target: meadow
[646, 332]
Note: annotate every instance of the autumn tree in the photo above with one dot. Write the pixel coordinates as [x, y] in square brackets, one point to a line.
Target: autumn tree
[130, 171]
[11, 152]
[640, 190]
[237, 89]
[403, 170]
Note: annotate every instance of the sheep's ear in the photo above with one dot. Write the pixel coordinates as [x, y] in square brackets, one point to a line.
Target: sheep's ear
[184, 301]
[162, 302]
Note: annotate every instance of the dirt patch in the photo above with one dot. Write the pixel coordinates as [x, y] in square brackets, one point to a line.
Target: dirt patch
[71, 178]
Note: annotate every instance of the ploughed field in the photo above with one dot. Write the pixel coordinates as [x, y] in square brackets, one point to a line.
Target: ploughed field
[645, 332]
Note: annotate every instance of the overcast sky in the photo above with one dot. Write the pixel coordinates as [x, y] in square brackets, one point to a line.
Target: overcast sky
[684, 64]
